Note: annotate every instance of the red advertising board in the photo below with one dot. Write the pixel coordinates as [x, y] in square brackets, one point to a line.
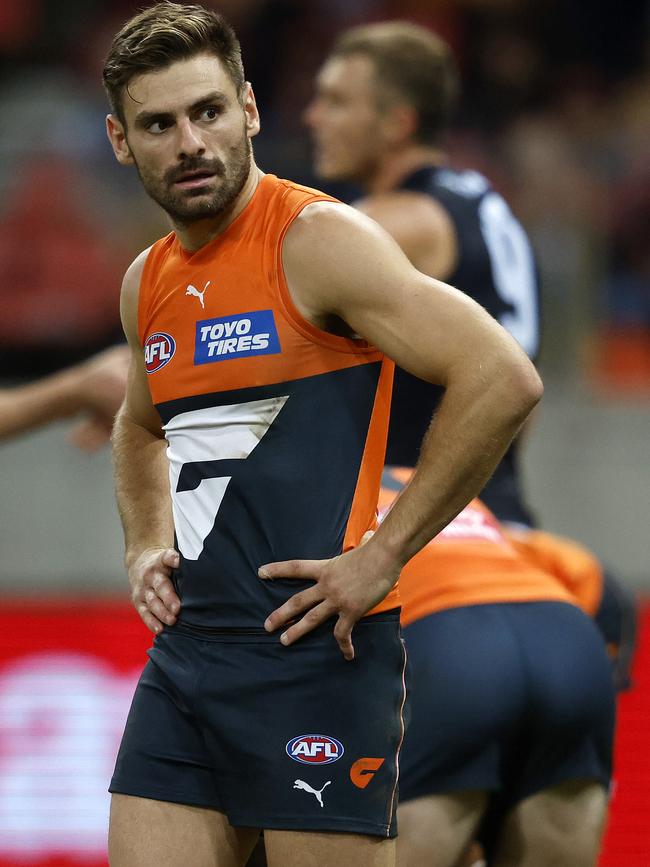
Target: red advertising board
[67, 673]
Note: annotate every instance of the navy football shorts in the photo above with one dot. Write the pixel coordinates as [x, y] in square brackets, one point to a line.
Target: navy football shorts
[508, 698]
[292, 738]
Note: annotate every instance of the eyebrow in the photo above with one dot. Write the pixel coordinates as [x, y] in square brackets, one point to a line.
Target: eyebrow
[143, 119]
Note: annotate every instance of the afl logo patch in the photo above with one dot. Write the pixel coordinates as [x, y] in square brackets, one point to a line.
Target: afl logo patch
[315, 749]
[159, 349]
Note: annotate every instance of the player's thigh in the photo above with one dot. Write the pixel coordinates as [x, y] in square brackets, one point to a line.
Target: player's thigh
[436, 829]
[562, 825]
[148, 833]
[327, 849]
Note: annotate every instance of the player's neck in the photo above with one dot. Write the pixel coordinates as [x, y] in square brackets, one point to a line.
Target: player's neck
[193, 236]
[397, 165]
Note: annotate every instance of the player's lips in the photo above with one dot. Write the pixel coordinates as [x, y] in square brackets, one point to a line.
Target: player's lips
[192, 180]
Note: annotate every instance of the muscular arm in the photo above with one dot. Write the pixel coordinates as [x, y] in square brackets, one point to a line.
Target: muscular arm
[95, 387]
[142, 480]
[339, 263]
[434, 332]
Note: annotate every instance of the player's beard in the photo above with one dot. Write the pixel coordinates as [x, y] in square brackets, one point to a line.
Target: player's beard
[188, 206]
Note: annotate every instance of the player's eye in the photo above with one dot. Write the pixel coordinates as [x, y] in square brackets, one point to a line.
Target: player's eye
[158, 126]
[209, 113]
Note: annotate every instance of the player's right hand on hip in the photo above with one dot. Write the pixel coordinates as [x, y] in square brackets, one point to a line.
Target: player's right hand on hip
[152, 590]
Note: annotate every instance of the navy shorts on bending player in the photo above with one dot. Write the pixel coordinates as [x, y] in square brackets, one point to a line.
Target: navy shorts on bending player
[292, 738]
[508, 698]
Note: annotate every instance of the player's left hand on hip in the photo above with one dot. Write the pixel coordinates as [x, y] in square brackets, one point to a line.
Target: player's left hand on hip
[347, 586]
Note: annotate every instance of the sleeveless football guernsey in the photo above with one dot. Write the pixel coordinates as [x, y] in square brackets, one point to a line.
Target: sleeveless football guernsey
[276, 430]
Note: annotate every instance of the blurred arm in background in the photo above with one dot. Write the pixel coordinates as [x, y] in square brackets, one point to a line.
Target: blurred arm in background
[95, 388]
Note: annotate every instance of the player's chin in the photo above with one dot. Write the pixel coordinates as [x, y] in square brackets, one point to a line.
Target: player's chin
[198, 198]
[196, 208]
[205, 192]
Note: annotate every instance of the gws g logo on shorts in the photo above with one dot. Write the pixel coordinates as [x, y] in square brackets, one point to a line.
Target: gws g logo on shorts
[159, 349]
[315, 749]
[239, 336]
[363, 770]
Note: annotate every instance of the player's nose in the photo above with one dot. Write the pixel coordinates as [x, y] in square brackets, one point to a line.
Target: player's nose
[190, 143]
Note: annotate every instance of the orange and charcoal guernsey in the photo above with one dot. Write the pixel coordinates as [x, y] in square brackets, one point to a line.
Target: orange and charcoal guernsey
[276, 430]
[470, 562]
[573, 564]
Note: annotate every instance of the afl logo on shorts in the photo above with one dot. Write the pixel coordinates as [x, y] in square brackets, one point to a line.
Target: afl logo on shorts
[315, 749]
[159, 349]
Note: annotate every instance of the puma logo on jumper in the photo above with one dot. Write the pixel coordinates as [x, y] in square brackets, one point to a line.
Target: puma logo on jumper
[192, 290]
[317, 793]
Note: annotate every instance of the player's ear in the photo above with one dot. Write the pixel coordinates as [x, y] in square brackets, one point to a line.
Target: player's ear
[117, 137]
[250, 110]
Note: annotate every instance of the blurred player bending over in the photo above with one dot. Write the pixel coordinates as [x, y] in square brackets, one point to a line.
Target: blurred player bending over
[512, 711]
[251, 390]
[93, 389]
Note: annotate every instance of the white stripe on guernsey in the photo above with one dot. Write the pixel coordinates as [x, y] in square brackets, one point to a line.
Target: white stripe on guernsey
[211, 434]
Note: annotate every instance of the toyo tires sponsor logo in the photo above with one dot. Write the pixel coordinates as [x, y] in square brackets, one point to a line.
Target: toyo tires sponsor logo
[240, 336]
[315, 749]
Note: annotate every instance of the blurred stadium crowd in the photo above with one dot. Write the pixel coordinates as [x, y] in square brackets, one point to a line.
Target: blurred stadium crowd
[555, 110]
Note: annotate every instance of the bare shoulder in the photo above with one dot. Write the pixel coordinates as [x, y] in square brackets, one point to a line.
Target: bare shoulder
[331, 246]
[326, 220]
[332, 232]
[133, 274]
[131, 293]
[421, 226]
